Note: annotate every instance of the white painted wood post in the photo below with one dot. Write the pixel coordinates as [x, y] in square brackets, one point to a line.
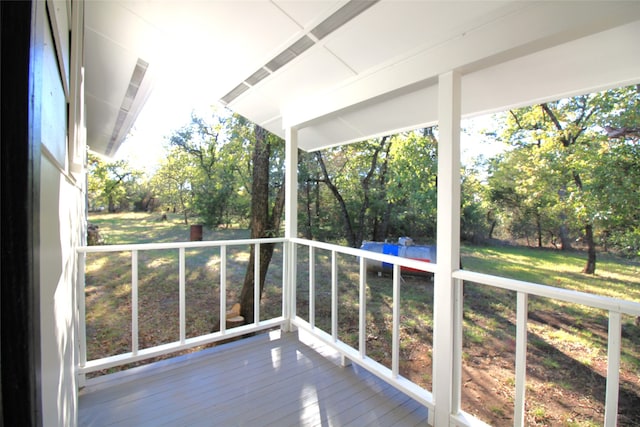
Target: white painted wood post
[291, 222]
[134, 303]
[182, 295]
[362, 316]
[312, 286]
[522, 316]
[613, 369]
[334, 296]
[448, 245]
[256, 284]
[456, 392]
[82, 317]
[223, 289]
[395, 332]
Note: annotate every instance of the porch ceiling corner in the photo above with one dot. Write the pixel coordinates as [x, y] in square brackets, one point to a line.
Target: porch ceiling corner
[343, 71]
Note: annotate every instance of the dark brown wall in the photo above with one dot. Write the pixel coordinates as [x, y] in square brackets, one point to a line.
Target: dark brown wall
[19, 195]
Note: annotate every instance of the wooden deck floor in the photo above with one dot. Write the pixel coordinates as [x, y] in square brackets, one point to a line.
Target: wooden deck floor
[268, 380]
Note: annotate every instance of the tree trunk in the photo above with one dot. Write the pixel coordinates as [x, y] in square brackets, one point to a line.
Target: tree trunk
[492, 223]
[539, 230]
[590, 268]
[346, 218]
[317, 198]
[381, 227]
[605, 243]
[308, 234]
[366, 190]
[262, 224]
[565, 240]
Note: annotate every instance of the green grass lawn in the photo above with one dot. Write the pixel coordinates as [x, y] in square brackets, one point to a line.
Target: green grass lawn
[615, 277]
[142, 227]
[566, 347]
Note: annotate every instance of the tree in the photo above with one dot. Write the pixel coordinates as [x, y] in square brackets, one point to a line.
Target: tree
[357, 171]
[217, 179]
[308, 194]
[526, 192]
[173, 182]
[618, 189]
[617, 172]
[110, 183]
[475, 218]
[412, 183]
[226, 167]
[379, 188]
[560, 148]
[265, 216]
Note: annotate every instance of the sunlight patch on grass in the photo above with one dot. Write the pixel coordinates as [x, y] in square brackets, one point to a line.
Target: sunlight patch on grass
[241, 256]
[615, 277]
[159, 262]
[570, 422]
[572, 344]
[474, 333]
[566, 336]
[95, 265]
[213, 263]
[123, 291]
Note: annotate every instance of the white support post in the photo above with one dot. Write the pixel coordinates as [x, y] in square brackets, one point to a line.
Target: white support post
[522, 316]
[448, 245]
[293, 274]
[291, 223]
[291, 184]
[312, 287]
[256, 284]
[82, 316]
[395, 340]
[362, 317]
[283, 284]
[613, 370]
[334, 296]
[223, 289]
[182, 295]
[134, 302]
[458, 292]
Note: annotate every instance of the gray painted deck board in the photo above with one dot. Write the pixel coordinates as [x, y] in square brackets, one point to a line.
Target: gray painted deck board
[266, 380]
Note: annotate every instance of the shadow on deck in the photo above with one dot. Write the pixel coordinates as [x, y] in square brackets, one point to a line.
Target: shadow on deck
[273, 379]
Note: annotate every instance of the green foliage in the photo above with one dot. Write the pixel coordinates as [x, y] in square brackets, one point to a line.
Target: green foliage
[111, 185]
[572, 163]
[174, 181]
[412, 184]
[384, 188]
[343, 191]
[208, 170]
[475, 211]
[201, 146]
[617, 186]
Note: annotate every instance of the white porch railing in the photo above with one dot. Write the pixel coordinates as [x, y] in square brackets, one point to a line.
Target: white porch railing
[615, 307]
[359, 355]
[183, 343]
[289, 319]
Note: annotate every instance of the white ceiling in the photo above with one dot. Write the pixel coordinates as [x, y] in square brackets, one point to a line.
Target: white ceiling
[373, 75]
